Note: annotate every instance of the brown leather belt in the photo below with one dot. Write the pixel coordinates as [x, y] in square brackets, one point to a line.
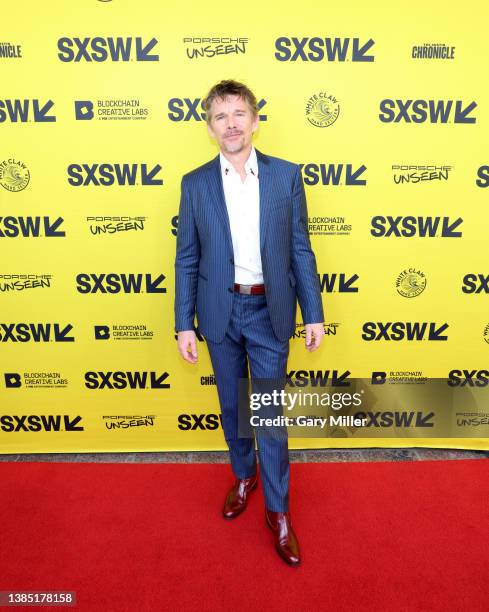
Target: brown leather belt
[249, 289]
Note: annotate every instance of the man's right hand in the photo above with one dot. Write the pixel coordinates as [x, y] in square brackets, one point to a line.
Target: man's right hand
[187, 345]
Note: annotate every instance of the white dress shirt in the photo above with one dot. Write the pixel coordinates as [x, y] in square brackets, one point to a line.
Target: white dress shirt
[243, 206]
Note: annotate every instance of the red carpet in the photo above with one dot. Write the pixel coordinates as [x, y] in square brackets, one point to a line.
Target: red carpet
[374, 536]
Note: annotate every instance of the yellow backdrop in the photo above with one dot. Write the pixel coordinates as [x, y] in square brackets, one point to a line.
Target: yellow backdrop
[100, 115]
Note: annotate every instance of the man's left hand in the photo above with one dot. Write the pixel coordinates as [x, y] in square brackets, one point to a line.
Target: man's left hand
[314, 335]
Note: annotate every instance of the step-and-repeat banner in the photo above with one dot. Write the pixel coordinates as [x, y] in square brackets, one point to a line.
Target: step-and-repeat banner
[387, 111]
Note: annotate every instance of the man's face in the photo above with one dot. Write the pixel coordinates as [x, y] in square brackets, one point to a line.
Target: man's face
[232, 123]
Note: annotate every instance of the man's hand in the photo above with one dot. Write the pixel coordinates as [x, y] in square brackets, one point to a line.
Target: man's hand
[187, 345]
[314, 335]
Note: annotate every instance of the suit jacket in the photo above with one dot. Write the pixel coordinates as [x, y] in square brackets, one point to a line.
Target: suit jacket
[204, 264]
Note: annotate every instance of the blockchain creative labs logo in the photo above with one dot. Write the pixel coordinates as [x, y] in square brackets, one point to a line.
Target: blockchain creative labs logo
[10, 50]
[399, 377]
[103, 225]
[433, 51]
[35, 380]
[349, 175]
[123, 331]
[330, 329]
[329, 226]
[204, 47]
[410, 283]
[21, 282]
[114, 109]
[14, 175]
[322, 109]
[114, 422]
[404, 173]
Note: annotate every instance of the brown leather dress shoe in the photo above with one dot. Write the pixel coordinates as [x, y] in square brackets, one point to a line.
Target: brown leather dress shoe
[238, 495]
[286, 543]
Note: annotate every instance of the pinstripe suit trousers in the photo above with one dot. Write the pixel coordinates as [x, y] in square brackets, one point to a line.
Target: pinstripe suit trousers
[250, 344]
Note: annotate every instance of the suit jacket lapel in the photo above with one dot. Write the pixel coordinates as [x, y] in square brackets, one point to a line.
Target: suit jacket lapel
[217, 197]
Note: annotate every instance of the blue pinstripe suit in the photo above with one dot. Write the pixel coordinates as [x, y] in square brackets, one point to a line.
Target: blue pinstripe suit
[243, 330]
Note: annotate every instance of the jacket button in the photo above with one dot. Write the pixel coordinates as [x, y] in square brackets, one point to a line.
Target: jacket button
[231, 289]
[231, 260]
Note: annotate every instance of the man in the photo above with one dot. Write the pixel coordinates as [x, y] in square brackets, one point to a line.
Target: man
[243, 259]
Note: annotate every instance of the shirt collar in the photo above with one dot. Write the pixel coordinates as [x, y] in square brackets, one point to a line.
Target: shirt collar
[251, 164]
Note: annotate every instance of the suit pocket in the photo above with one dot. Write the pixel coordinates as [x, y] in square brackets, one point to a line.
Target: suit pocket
[202, 276]
[292, 278]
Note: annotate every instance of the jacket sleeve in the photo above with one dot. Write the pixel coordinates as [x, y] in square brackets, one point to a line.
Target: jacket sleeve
[186, 262]
[303, 260]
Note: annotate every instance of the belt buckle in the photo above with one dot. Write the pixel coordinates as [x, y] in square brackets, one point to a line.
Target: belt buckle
[245, 289]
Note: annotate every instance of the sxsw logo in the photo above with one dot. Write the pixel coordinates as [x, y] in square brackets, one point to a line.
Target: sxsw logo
[334, 174]
[126, 380]
[419, 111]
[397, 419]
[119, 283]
[483, 177]
[105, 175]
[400, 330]
[101, 49]
[408, 227]
[11, 227]
[22, 111]
[42, 422]
[315, 378]
[318, 49]
[35, 332]
[472, 378]
[191, 422]
[191, 109]
[338, 283]
[475, 283]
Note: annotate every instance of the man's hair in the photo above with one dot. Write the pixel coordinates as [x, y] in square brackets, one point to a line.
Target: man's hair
[229, 88]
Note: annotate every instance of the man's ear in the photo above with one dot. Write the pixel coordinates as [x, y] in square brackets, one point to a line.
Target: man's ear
[256, 121]
[210, 130]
